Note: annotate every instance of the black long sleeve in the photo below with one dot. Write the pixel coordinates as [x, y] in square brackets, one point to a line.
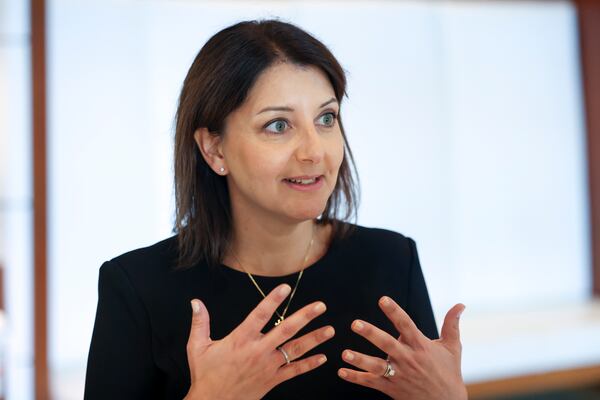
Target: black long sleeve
[120, 364]
[138, 347]
[418, 303]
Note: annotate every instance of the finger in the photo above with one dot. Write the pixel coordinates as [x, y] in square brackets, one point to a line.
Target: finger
[292, 324]
[365, 379]
[450, 330]
[380, 338]
[262, 313]
[299, 367]
[403, 323]
[367, 363]
[200, 329]
[298, 347]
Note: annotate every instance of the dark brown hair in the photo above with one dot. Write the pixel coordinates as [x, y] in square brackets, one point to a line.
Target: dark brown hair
[216, 84]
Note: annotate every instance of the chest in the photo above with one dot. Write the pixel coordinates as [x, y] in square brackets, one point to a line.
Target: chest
[229, 301]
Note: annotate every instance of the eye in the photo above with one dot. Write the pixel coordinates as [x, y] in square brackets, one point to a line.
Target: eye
[329, 118]
[278, 126]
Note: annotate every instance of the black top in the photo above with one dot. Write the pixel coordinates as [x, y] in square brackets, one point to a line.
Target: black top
[138, 348]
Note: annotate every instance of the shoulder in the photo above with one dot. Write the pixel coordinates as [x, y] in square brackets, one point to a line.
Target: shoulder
[378, 243]
[377, 238]
[163, 252]
[144, 265]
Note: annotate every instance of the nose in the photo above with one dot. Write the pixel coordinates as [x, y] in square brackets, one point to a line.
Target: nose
[310, 147]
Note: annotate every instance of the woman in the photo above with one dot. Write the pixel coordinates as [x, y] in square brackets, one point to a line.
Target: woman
[289, 301]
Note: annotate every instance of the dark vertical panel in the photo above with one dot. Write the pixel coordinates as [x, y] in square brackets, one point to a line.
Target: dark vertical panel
[38, 112]
[589, 33]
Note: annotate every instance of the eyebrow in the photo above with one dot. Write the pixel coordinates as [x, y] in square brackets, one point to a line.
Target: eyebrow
[333, 99]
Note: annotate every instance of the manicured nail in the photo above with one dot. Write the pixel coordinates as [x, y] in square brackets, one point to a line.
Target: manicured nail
[358, 325]
[195, 306]
[319, 307]
[285, 290]
[322, 359]
[342, 373]
[385, 301]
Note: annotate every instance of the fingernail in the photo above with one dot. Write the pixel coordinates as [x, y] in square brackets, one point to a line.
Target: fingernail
[329, 332]
[285, 290]
[348, 356]
[358, 325]
[322, 359]
[342, 373]
[195, 306]
[320, 307]
[460, 313]
[385, 301]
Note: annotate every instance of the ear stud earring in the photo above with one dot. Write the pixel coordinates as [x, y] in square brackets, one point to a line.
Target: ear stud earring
[222, 169]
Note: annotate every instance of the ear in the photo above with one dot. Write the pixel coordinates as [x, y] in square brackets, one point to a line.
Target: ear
[210, 146]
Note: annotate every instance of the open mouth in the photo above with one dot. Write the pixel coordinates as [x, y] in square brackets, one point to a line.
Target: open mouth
[306, 182]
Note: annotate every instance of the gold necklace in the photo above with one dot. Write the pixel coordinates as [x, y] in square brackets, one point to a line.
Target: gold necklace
[282, 316]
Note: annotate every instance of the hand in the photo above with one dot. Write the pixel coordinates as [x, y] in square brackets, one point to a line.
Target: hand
[246, 363]
[423, 368]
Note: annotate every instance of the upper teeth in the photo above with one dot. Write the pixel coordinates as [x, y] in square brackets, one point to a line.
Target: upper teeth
[303, 181]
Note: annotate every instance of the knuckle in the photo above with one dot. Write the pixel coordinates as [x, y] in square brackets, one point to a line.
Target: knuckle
[262, 315]
[235, 343]
[413, 363]
[284, 374]
[419, 356]
[404, 325]
[287, 330]
[196, 323]
[389, 347]
[397, 314]
[297, 348]
[419, 346]
[297, 368]
[367, 380]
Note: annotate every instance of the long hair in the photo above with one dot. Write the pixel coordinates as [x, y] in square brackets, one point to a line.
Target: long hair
[216, 84]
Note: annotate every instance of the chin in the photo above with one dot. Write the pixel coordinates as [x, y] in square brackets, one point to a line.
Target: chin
[306, 214]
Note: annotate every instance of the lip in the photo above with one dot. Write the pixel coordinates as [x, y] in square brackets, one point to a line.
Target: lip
[304, 177]
[306, 188]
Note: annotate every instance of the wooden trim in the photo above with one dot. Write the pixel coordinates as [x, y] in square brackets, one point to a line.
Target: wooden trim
[588, 12]
[38, 114]
[556, 380]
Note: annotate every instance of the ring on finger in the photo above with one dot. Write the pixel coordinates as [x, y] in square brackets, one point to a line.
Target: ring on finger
[389, 370]
[285, 354]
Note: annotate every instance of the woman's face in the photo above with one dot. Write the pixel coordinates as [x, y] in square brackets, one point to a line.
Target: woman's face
[286, 129]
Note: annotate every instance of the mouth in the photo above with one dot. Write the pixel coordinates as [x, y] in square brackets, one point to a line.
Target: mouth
[305, 180]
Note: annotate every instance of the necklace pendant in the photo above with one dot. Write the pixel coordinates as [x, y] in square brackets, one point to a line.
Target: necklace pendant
[279, 320]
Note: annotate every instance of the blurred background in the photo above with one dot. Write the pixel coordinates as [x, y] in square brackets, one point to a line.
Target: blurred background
[476, 131]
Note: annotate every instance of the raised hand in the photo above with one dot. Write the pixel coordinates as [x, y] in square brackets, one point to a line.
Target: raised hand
[246, 363]
[423, 369]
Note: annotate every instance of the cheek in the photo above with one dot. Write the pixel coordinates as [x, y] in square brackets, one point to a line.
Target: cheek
[337, 153]
[262, 165]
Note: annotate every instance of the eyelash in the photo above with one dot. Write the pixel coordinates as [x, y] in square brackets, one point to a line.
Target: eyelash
[334, 114]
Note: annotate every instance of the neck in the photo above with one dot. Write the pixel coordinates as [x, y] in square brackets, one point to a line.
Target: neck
[271, 248]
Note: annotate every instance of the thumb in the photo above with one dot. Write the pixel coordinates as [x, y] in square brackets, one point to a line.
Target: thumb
[450, 329]
[200, 330]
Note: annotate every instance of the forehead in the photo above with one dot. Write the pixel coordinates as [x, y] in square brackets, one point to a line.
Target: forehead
[288, 84]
